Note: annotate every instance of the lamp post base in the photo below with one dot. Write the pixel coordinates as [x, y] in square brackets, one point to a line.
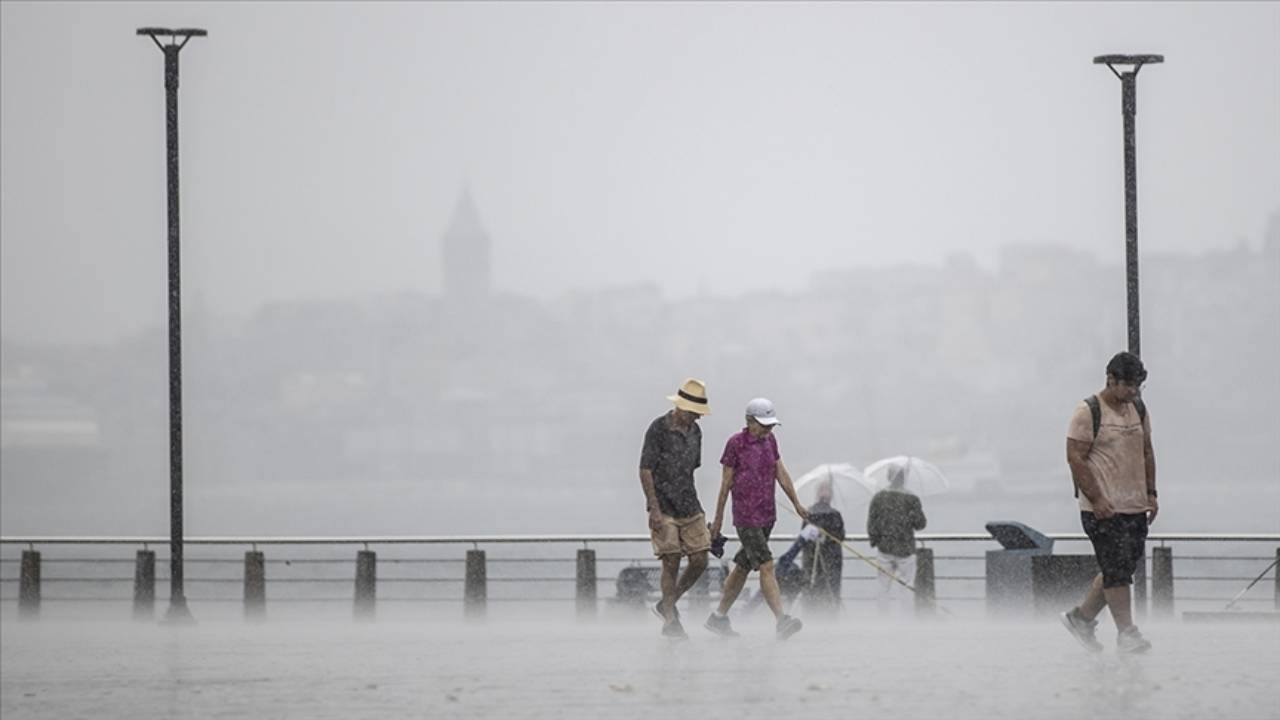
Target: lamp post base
[178, 613]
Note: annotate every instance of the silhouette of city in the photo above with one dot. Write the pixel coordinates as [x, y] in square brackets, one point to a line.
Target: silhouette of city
[475, 390]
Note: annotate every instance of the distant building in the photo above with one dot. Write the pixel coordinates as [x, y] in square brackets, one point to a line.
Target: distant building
[466, 255]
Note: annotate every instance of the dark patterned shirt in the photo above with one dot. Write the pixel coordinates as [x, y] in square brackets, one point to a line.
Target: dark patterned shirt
[672, 455]
[892, 521]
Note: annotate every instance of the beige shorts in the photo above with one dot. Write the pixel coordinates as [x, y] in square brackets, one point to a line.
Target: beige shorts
[681, 536]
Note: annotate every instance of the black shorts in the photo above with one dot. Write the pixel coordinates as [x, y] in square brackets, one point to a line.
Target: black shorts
[755, 548]
[1119, 543]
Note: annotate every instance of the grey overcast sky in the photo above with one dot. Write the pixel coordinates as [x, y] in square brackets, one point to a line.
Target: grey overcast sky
[718, 148]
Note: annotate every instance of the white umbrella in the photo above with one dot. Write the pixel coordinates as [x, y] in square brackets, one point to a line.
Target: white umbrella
[920, 477]
[844, 478]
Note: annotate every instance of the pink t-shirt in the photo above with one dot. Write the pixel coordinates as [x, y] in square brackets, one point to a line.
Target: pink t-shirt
[755, 468]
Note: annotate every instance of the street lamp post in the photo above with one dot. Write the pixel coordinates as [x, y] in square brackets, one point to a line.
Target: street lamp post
[1129, 108]
[178, 611]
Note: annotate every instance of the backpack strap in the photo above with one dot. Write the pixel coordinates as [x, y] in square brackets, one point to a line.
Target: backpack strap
[1142, 412]
[1096, 411]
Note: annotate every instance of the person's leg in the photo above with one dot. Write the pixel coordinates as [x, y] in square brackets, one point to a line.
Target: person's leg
[769, 588]
[692, 571]
[1102, 535]
[670, 571]
[1129, 547]
[732, 586]
[907, 574]
[666, 547]
[885, 582]
[1094, 600]
[1118, 600]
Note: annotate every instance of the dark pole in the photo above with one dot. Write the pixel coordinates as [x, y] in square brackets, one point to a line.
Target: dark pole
[178, 610]
[1129, 109]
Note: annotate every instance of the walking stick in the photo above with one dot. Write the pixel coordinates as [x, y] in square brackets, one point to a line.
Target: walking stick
[879, 568]
[1250, 585]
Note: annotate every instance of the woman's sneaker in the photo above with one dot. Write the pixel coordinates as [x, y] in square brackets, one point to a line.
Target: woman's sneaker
[720, 625]
[673, 629]
[788, 626]
[1082, 630]
[1130, 641]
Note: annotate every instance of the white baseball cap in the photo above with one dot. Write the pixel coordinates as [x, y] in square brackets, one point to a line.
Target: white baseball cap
[762, 410]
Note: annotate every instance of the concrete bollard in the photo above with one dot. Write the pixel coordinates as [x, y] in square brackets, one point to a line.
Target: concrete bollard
[29, 585]
[1140, 589]
[586, 583]
[255, 585]
[144, 585]
[366, 583]
[926, 600]
[475, 590]
[1162, 581]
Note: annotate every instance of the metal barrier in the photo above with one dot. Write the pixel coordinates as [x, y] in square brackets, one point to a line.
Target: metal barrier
[476, 577]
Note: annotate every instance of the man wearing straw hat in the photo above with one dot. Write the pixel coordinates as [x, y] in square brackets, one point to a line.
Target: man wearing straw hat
[677, 525]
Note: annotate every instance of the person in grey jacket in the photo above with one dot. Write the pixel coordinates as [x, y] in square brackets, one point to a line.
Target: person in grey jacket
[892, 521]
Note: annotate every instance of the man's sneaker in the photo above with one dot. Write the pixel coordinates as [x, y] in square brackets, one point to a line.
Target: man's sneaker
[1081, 629]
[720, 625]
[1130, 641]
[788, 626]
[673, 629]
[657, 610]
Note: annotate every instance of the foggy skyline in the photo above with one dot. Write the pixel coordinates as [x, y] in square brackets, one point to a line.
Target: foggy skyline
[720, 149]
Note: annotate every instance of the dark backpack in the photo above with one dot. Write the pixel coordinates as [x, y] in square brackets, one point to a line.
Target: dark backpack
[1095, 410]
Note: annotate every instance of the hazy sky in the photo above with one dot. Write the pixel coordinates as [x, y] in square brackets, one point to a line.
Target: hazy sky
[719, 148]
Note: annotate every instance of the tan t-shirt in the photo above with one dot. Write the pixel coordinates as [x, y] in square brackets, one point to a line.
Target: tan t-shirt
[1117, 457]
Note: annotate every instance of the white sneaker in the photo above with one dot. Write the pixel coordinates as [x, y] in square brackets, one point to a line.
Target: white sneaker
[1081, 629]
[1130, 641]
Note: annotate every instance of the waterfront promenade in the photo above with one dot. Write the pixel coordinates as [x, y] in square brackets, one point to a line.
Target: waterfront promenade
[421, 653]
[525, 663]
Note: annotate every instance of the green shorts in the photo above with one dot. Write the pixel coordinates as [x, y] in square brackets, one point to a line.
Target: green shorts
[755, 548]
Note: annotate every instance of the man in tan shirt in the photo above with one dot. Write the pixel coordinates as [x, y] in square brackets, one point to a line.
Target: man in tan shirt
[1114, 468]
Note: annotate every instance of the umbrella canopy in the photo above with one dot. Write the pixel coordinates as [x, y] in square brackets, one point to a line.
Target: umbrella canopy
[845, 481]
[920, 477]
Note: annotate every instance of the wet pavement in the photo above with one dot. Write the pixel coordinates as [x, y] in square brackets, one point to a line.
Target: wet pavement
[538, 665]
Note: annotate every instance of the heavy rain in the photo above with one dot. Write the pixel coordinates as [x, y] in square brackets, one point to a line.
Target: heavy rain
[580, 360]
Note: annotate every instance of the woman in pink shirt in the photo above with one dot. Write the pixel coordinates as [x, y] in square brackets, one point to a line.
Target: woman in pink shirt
[752, 464]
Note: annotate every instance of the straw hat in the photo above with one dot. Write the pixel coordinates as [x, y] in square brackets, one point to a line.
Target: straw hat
[692, 396]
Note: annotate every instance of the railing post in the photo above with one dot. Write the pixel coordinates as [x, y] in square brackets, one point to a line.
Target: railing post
[475, 591]
[144, 585]
[255, 585]
[366, 583]
[1162, 581]
[1140, 588]
[29, 585]
[924, 582]
[1276, 575]
[586, 595]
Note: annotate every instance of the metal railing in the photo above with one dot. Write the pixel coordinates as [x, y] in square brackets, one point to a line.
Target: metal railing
[425, 570]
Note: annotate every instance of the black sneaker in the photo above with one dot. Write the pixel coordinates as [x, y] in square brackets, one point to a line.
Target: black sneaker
[788, 626]
[674, 630]
[720, 625]
[1082, 630]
